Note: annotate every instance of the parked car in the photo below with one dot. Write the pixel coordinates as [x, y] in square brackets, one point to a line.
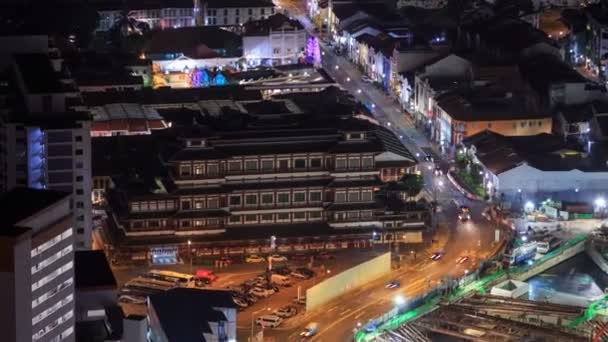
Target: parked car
[282, 270]
[254, 258]
[393, 284]
[438, 171]
[281, 280]
[300, 257]
[306, 271]
[240, 302]
[428, 158]
[286, 311]
[269, 321]
[278, 258]
[261, 292]
[325, 256]
[302, 273]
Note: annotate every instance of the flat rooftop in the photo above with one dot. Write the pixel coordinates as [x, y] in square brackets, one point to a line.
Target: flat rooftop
[92, 271]
[21, 203]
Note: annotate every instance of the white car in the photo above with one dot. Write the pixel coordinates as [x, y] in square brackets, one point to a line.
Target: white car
[278, 258]
[269, 321]
[261, 293]
[253, 258]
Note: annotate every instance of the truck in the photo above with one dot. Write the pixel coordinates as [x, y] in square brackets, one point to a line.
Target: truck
[523, 253]
[545, 246]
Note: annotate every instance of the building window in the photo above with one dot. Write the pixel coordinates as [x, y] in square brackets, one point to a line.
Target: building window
[234, 166]
[235, 219]
[522, 124]
[79, 205]
[315, 196]
[225, 20]
[266, 218]
[237, 20]
[79, 191]
[251, 218]
[352, 214]
[212, 221]
[251, 200]
[153, 205]
[212, 170]
[299, 163]
[198, 223]
[185, 224]
[354, 163]
[237, 12]
[79, 231]
[78, 138]
[366, 195]
[367, 162]
[267, 199]
[251, 165]
[184, 170]
[78, 151]
[282, 217]
[366, 213]
[314, 215]
[235, 200]
[353, 196]
[340, 197]
[267, 165]
[276, 51]
[186, 205]
[299, 216]
[489, 125]
[199, 169]
[79, 178]
[315, 162]
[540, 123]
[213, 203]
[340, 163]
[262, 11]
[199, 204]
[283, 198]
[299, 197]
[283, 164]
[135, 206]
[225, 11]
[137, 224]
[514, 125]
[250, 11]
[154, 224]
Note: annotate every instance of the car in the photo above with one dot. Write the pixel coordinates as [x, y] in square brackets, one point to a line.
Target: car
[261, 292]
[310, 330]
[306, 271]
[464, 214]
[437, 255]
[300, 257]
[269, 321]
[428, 158]
[224, 259]
[253, 258]
[283, 270]
[366, 79]
[393, 284]
[278, 258]
[286, 311]
[325, 256]
[300, 275]
[438, 171]
[299, 301]
[240, 302]
[462, 259]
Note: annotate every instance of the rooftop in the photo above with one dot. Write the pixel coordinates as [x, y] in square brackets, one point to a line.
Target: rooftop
[195, 42]
[92, 271]
[276, 22]
[38, 74]
[545, 152]
[23, 203]
[184, 313]
[238, 3]
[118, 5]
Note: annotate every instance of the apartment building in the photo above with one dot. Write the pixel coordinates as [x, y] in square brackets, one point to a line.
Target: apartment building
[235, 12]
[36, 268]
[156, 14]
[45, 145]
[297, 166]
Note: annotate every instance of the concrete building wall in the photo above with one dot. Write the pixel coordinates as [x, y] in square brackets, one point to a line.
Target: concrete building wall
[347, 280]
[533, 180]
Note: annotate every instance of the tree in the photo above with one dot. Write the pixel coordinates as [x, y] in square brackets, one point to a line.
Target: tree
[412, 184]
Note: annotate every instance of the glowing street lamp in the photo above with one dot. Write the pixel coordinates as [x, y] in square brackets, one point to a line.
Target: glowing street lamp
[600, 203]
[399, 300]
[529, 206]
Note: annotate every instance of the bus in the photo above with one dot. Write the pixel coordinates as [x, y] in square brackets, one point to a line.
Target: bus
[546, 246]
[143, 286]
[180, 279]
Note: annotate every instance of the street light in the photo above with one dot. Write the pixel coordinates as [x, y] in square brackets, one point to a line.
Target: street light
[337, 67]
[252, 317]
[529, 206]
[358, 91]
[348, 79]
[190, 255]
[600, 202]
[399, 300]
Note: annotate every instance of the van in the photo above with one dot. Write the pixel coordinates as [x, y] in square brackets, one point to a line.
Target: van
[269, 321]
[280, 280]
